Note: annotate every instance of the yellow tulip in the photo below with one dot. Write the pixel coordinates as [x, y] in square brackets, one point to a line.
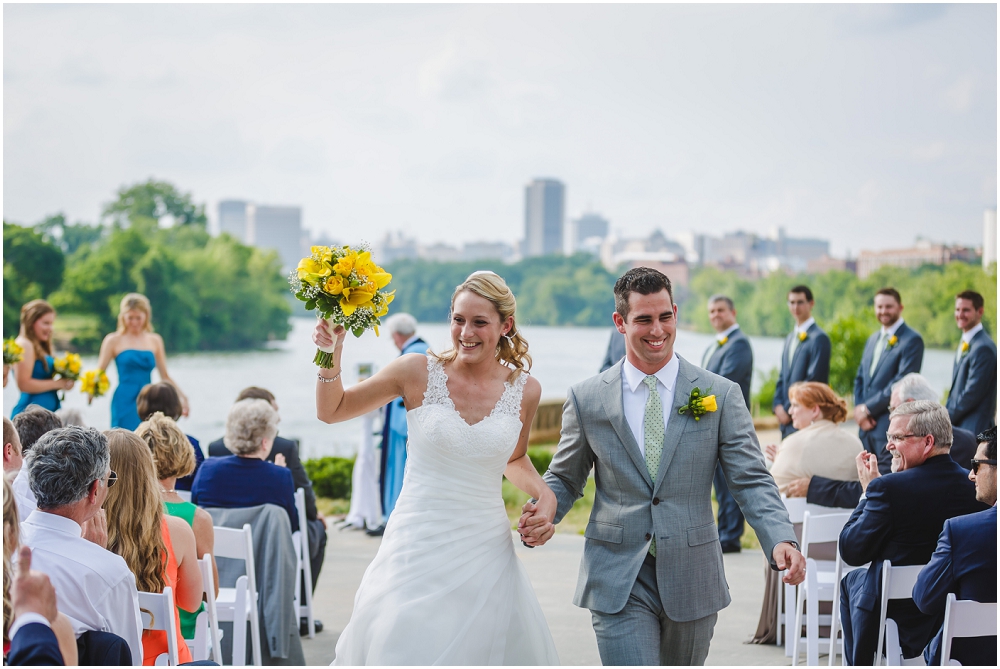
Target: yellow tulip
[708, 403]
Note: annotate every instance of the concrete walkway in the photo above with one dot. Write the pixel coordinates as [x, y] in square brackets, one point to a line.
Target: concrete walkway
[553, 570]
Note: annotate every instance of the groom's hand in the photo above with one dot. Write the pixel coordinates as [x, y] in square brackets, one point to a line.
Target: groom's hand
[535, 526]
[786, 556]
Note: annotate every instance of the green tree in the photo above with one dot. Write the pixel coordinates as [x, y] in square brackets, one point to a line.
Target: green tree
[32, 268]
[848, 335]
[151, 201]
[69, 237]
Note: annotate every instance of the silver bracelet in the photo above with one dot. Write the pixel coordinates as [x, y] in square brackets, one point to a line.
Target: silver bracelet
[323, 379]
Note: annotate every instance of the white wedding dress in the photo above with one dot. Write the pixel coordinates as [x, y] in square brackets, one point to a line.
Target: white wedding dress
[446, 587]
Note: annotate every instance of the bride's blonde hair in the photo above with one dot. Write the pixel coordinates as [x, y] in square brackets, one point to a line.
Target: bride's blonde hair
[513, 347]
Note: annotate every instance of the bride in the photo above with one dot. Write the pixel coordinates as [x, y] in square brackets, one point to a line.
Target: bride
[446, 586]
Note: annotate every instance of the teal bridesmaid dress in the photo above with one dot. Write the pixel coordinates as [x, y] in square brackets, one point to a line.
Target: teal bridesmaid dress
[134, 369]
[49, 399]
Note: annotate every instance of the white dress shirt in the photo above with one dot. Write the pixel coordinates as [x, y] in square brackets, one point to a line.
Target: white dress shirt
[94, 587]
[799, 329]
[23, 497]
[891, 330]
[967, 336]
[635, 393]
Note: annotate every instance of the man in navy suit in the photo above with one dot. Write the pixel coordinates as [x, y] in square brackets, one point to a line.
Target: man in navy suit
[972, 401]
[891, 353]
[899, 518]
[965, 562]
[805, 357]
[731, 357]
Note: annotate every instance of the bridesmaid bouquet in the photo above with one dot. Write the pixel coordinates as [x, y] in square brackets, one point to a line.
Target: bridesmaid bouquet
[345, 287]
[12, 352]
[94, 383]
[68, 366]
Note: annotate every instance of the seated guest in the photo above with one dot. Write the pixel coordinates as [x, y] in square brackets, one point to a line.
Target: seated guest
[831, 492]
[159, 549]
[965, 563]
[818, 447]
[245, 478]
[30, 424]
[163, 397]
[899, 518]
[172, 458]
[43, 635]
[11, 449]
[69, 472]
[71, 417]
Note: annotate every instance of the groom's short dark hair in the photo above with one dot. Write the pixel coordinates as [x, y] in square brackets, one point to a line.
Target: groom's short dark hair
[642, 280]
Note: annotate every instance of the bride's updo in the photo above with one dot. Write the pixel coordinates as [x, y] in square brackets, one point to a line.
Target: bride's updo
[512, 349]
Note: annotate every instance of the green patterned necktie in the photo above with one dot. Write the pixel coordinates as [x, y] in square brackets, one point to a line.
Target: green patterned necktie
[879, 345]
[652, 431]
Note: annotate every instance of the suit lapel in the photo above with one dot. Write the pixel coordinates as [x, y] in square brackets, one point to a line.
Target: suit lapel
[900, 331]
[686, 377]
[614, 407]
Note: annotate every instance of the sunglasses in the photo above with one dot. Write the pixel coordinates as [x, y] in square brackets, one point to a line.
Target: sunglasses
[976, 463]
[112, 478]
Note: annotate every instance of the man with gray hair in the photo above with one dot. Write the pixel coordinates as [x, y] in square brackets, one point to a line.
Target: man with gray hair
[403, 329]
[899, 518]
[69, 473]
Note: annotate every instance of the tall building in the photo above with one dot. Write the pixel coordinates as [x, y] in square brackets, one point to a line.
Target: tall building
[235, 218]
[589, 226]
[266, 227]
[544, 207]
[924, 252]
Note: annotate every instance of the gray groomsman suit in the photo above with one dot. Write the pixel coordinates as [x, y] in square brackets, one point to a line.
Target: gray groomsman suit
[684, 586]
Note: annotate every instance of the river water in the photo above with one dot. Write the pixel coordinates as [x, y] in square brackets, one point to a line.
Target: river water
[561, 357]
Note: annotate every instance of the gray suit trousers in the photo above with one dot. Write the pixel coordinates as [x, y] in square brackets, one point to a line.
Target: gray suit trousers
[641, 634]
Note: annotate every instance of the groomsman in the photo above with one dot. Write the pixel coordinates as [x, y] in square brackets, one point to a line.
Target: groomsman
[731, 357]
[806, 356]
[891, 353]
[972, 401]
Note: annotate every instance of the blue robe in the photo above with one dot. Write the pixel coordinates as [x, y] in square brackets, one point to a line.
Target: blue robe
[394, 442]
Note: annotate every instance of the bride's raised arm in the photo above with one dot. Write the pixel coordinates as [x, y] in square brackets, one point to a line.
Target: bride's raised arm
[334, 404]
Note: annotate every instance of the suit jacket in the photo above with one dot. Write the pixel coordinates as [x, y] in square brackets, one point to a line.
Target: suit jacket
[630, 506]
[616, 350]
[811, 362]
[845, 494]
[290, 450]
[874, 390]
[964, 563]
[734, 361]
[972, 401]
[34, 645]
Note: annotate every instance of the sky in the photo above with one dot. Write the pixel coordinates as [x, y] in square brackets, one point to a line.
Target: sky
[867, 125]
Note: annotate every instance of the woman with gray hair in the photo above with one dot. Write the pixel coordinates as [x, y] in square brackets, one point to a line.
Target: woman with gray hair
[246, 478]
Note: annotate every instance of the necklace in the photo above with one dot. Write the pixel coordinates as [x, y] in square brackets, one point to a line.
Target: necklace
[164, 490]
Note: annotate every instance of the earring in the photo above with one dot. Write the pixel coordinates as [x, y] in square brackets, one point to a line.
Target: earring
[510, 338]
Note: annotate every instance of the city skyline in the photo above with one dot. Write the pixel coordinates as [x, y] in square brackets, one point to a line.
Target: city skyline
[867, 125]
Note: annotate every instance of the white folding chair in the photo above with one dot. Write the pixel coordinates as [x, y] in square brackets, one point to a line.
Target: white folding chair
[836, 627]
[897, 583]
[239, 604]
[965, 618]
[158, 614]
[184, 495]
[819, 584]
[207, 634]
[304, 576]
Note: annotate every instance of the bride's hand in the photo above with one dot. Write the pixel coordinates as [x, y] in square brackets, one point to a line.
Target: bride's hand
[324, 337]
[535, 525]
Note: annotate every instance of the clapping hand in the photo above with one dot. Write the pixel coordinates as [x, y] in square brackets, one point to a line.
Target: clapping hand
[771, 452]
[867, 468]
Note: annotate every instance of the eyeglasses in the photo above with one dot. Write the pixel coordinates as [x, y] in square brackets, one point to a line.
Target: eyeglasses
[976, 463]
[900, 438]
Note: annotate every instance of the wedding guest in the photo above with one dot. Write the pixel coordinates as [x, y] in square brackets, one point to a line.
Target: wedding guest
[972, 401]
[158, 548]
[403, 328]
[71, 417]
[70, 474]
[34, 373]
[731, 357]
[30, 424]
[45, 634]
[246, 478]
[805, 356]
[11, 449]
[965, 563]
[163, 397]
[172, 458]
[136, 350]
[892, 352]
[899, 518]
[819, 447]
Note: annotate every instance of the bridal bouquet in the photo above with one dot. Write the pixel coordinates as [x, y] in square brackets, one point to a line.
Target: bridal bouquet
[12, 352]
[346, 287]
[94, 383]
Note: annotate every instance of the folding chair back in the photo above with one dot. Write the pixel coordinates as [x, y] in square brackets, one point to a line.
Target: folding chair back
[897, 583]
[965, 618]
[207, 635]
[239, 604]
[305, 566]
[840, 570]
[158, 614]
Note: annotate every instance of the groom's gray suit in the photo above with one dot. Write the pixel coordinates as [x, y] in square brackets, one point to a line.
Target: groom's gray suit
[629, 507]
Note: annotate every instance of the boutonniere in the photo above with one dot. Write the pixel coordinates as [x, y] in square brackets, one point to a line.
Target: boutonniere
[699, 404]
[722, 342]
[965, 347]
[802, 336]
[893, 340]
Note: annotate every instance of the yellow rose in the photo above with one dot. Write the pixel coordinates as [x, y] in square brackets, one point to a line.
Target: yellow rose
[324, 253]
[802, 336]
[965, 347]
[345, 265]
[893, 340]
[310, 269]
[334, 285]
[722, 342]
[708, 403]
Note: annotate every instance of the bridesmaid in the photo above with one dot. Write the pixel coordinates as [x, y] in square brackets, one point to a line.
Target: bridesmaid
[136, 350]
[35, 371]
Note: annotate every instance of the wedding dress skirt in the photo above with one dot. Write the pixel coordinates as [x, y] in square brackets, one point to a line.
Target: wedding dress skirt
[446, 587]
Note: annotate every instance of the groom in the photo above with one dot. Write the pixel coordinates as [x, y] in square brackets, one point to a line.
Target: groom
[652, 572]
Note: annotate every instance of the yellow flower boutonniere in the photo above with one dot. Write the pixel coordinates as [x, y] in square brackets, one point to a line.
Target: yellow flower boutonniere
[965, 347]
[802, 336]
[893, 340]
[699, 404]
[722, 342]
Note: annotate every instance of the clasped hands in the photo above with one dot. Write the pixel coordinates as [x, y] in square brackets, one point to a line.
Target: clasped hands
[535, 524]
